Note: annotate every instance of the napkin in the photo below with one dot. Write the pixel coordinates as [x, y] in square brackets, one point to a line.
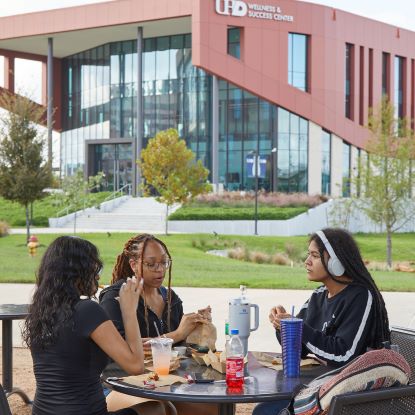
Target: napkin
[164, 380]
[275, 362]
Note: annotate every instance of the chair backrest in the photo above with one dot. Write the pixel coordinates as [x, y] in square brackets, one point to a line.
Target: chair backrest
[398, 400]
[4, 405]
[405, 339]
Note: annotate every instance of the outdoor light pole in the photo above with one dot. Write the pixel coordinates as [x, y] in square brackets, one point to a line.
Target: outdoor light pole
[256, 174]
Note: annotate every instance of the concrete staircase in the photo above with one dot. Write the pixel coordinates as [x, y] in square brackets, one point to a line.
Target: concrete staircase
[134, 214]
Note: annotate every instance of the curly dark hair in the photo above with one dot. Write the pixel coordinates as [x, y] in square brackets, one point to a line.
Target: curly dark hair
[347, 251]
[134, 248]
[68, 269]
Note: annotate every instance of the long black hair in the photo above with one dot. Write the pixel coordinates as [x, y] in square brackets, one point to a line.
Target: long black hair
[347, 251]
[134, 248]
[68, 269]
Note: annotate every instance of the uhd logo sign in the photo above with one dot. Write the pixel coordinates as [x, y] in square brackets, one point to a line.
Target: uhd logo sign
[241, 8]
[231, 7]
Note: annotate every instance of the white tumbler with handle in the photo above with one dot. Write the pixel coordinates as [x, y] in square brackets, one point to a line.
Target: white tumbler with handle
[240, 317]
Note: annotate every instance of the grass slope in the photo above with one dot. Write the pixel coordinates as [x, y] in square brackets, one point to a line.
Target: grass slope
[194, 268]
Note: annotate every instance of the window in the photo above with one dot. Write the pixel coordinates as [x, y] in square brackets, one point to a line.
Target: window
[234, 42]
[370, 78]
[349, 62]
[346, 170]
[298, 61]
[398, 86]
[325, 162]
[385, 73]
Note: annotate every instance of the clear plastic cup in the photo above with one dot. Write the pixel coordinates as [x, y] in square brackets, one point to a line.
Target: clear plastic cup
[291, 336]
[161, 352]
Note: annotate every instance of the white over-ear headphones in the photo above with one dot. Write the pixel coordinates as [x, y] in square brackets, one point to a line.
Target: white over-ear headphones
[334, 265]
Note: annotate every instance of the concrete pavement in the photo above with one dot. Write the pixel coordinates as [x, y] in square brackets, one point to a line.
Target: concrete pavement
[401, 308]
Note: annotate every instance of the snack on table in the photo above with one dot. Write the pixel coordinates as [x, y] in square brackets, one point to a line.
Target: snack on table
[149, 384]
[153, 376]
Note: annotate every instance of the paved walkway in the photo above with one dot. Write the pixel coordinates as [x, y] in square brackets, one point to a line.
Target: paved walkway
[401, 308]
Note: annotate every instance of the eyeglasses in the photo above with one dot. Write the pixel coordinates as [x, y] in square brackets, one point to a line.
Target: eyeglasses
[153, 266]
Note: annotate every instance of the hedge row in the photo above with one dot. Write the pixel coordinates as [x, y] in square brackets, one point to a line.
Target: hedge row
[210, 213]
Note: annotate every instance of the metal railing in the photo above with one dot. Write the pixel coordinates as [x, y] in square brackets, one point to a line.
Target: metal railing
[124, 190]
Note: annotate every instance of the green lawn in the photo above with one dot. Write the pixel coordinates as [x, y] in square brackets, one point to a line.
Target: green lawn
[14, 214]
[193, 267]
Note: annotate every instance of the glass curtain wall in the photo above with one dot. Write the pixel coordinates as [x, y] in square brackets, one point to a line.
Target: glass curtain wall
[246, 124]
[325, 162]
[99, 100]
[176, 94]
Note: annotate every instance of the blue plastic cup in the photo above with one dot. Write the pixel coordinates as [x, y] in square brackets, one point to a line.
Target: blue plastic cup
[291, 335]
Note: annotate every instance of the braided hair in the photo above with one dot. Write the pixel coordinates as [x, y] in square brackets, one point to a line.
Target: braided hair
[348, 253]
[134, 249]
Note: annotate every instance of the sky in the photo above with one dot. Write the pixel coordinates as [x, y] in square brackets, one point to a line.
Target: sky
[398, 12]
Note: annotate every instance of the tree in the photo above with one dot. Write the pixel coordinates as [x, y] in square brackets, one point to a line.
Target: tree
[75, 191]
[24, 173]
[169, 167]
[386, 177]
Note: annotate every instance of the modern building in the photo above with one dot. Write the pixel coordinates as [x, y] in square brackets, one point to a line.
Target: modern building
[286, 80]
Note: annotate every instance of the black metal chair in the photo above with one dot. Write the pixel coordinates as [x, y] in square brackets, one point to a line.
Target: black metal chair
[405, 339]
[4, 405]
[388, 401]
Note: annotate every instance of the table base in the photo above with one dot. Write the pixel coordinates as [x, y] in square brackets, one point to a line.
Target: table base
[22, 394]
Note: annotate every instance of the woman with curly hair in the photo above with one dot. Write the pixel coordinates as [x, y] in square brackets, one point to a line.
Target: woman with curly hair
[71, 338]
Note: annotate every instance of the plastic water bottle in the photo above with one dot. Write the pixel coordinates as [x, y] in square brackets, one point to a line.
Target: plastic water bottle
[235, 363]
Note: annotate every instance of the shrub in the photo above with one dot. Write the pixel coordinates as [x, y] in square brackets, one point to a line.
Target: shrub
[246, 199]
[237, 253]
[293, 251]
[4, 228]
[259, 257]
[280, 259]
[233, 213]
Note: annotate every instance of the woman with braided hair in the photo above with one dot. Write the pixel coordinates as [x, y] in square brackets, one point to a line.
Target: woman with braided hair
[147, 257]
[346, 316]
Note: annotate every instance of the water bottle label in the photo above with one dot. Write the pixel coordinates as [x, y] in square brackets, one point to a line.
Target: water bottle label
[235, 368]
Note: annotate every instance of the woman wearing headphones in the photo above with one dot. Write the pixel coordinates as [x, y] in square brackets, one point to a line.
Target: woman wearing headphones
[346, 315]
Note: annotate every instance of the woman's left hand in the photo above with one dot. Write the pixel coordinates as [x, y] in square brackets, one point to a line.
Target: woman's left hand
[277, 320]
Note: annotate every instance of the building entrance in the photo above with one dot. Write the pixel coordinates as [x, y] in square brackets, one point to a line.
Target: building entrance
[114, 160]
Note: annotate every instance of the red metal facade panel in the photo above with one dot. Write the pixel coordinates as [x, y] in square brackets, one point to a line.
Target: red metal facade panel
[263, 69]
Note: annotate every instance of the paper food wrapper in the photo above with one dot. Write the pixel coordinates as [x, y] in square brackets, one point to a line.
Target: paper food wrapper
[204, 333]
[164, 380]
[275, 362]
[216, 360]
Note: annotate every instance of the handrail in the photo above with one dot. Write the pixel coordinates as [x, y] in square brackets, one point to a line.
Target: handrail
[120, 190]
[110, 197]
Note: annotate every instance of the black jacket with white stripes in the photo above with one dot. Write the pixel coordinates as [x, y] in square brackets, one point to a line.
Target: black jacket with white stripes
[337, 329]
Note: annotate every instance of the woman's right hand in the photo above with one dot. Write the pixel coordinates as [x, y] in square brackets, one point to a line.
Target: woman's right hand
[188, 323]
[130, 293]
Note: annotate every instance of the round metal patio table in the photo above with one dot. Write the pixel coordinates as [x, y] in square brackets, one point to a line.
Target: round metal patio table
[261, 385]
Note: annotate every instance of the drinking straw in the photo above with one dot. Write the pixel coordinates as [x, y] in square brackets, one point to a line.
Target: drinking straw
[292, 312]
[157, 329]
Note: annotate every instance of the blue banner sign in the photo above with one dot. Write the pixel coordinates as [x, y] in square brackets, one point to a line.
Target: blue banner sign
[256, 166]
